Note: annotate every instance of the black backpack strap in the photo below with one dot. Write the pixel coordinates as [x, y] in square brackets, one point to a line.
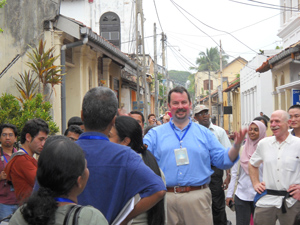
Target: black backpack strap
[76, 215]
[67, 217]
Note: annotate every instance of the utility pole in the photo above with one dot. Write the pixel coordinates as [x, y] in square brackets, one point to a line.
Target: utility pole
[146, 87]
[221, 99]
[164, 62]
[209, 92]
[137, 56]
[139, 14]
[155, 72]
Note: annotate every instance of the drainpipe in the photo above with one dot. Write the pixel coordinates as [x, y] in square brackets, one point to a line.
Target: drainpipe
[63, 83]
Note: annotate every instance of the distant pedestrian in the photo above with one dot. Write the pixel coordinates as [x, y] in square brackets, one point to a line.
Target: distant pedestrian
[139, 117]
[216, 185]
[265, 116]
[294, 112]
[73, 132]
[8, 200]
[76, 120]
[21, 169]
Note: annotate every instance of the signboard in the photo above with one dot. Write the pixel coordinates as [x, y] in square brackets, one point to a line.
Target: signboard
[135, 108]
[296, 97]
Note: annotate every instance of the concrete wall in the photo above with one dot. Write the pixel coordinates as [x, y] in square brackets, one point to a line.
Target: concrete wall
[22, 21]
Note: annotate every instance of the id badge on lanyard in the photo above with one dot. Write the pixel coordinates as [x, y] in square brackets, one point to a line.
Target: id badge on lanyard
[181, 156]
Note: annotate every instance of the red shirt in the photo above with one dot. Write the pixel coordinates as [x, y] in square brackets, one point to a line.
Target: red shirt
[21, 170]
[7, 195]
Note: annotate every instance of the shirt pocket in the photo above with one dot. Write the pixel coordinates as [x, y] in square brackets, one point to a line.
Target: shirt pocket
[291, 163]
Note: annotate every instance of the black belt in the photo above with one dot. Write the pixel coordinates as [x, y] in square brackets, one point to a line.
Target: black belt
[285, 194]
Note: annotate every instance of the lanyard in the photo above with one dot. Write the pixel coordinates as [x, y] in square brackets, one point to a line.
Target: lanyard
[24, 150]
[3, 156]
[180, 139]
[94, 138]
[63, 200]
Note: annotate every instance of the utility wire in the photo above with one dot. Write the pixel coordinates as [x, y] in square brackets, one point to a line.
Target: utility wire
[193, 23]
[188, 62]
[157, 16]
[264, 6]
[179, 60]
[212, 28]
[280, 6]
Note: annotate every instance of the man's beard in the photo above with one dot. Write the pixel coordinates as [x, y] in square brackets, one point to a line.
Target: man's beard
[180, 110]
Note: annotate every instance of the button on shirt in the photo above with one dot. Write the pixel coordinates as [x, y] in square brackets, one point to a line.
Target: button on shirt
[203, 149]
[281, 166]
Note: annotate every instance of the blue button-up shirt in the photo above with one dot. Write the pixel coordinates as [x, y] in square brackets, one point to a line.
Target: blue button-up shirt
[117, 174]
[203, 150]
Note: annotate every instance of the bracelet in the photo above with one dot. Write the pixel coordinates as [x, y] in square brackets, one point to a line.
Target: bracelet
[228, 174]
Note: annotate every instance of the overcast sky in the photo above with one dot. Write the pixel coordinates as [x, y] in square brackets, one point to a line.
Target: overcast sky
[256, 27]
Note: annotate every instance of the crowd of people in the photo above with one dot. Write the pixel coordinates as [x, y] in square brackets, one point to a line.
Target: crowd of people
[111, 167]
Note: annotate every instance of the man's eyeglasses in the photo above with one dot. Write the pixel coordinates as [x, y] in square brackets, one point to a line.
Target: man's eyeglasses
[5, 135]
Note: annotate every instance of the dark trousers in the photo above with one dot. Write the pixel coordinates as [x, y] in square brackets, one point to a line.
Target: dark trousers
[243, 211]
[218, 197]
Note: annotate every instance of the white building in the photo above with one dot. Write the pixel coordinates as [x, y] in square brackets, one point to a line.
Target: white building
[289, 29]
[256, 89]
[117, 18]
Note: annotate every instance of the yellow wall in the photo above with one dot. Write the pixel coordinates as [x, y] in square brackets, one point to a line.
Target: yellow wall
[280, 77]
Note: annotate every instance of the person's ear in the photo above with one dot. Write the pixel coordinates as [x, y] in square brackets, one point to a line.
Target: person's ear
[82, 116]
[126, 141]
[28, 137]
[80, 182]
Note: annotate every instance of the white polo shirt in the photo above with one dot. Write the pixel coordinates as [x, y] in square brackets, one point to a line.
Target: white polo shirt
[281, 167]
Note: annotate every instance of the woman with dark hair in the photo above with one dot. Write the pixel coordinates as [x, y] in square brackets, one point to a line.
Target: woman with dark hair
[62, 175]
[240, 191]
[127, 131]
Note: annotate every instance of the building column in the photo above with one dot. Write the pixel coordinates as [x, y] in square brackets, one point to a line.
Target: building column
[106, 64]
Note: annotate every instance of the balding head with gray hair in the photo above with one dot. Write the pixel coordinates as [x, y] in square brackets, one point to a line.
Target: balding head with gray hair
[99, 107]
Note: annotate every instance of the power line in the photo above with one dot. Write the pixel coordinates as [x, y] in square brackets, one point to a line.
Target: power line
[213, 29]
[157, 16]
[193, 23]
[280, 6]
[178, 53]
[284, 8]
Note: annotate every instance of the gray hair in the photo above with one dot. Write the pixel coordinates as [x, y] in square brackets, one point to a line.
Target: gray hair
[99, 107]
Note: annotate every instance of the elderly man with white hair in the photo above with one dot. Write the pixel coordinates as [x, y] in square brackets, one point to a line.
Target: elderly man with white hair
[280, 155]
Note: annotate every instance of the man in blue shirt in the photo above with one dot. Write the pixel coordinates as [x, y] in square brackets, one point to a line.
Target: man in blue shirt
[116, 172]
[185, 152]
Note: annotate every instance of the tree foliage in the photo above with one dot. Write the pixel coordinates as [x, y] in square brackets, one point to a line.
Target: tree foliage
[179, 76]
[210, 60]
[42, 64]
[26, 87]
[11, 111]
